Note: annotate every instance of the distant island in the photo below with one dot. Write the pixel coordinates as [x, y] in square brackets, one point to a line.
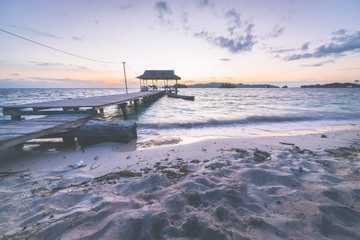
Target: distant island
[180, 85]
[333, 85]
[229, 85]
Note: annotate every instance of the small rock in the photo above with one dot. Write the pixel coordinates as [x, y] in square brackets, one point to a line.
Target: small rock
[191, 167]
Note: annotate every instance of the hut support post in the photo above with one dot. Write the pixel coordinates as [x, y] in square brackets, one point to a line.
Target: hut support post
[176, 87]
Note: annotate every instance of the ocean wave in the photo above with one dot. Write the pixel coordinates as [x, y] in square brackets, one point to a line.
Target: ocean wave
[252, 120]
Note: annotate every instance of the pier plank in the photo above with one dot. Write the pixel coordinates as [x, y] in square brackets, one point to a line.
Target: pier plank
[16, 132]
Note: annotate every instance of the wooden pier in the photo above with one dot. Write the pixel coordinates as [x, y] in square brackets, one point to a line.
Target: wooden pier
[61, 115]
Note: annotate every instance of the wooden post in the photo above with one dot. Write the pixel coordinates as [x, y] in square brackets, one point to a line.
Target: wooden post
[123, 109]
[176, 87]
[136, 105]
[15, 115]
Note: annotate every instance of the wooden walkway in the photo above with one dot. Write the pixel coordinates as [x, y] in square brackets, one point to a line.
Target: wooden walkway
[73, 106]
[60, 115]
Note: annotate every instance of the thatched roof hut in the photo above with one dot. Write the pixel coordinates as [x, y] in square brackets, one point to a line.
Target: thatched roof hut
[156, 75]
[159, 75]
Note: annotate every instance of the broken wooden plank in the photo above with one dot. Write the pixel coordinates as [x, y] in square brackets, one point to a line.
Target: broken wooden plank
[9, 138]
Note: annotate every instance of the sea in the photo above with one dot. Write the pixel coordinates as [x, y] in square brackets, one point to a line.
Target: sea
[218, 112]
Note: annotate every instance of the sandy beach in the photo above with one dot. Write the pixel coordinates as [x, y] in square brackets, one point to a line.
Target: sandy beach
[200, 120]
[298, 185]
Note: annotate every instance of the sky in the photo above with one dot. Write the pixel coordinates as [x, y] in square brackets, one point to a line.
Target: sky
[281, 42]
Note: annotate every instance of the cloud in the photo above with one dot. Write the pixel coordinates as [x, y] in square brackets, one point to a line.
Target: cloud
[76, 38]
[305, 46]
[339, 32]
[69, 67]
[45, 64]
[82, 68]
[340, 45]
[206, 3]
[276, 32]
[225, 59]
[66, 80]
[283, 50]
[239, 37]
[234, 17]
[15, 74]
[235, 43]
[184, 17]
[126, 6]
[36, 32]
[318, 64]
[96, 22]
[163, 10]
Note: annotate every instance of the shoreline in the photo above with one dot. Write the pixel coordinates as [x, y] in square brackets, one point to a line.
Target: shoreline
[55, 158]
[290, 186]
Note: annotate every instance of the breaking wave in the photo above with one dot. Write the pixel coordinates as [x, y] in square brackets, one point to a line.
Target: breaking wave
[252, 120]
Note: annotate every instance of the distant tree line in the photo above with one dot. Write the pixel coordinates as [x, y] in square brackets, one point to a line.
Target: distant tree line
[230, 85]
[334, 85]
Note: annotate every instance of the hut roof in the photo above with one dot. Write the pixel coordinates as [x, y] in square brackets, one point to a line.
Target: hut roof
[159, 74]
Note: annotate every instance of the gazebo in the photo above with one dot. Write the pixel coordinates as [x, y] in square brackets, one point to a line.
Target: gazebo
[157, 75]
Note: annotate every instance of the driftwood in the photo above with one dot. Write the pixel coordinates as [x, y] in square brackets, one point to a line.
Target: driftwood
[95, 131]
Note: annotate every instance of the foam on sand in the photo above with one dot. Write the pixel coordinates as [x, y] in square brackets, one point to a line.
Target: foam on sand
[294, 187]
